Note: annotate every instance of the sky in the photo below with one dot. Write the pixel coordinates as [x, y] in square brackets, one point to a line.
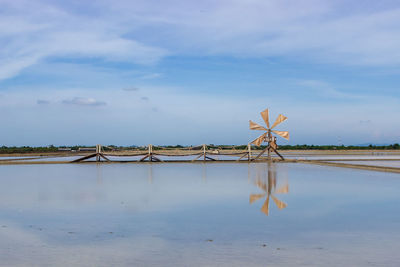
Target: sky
[192, 72]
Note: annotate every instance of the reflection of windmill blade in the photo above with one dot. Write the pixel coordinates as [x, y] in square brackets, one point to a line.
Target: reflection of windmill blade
[265, 117]
[283, 134]
[262, 185]
[280, 119]
[279, 204]
[255, 197]
[265, 207]
[283, 190]
[255, 126]
[258, 141]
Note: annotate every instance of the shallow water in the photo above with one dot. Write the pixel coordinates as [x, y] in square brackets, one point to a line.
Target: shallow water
[381, 163]
[343, 157]
[198, 214]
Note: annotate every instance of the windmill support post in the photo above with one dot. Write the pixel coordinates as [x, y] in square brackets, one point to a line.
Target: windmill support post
[261, 153]
[278, 154]
[269, 149]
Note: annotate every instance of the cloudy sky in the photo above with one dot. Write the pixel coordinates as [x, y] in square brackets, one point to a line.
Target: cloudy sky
[193, 72]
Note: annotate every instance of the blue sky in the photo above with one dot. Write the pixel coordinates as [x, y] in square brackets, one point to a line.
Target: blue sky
[193, 72]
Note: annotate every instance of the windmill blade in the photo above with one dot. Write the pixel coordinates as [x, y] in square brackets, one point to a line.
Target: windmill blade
[258, 141]
[255, 197]
[279, 204]
[265, 207]
[283, 134]
[283, 190]
[265, 116]
[255, 126]
[279, 120]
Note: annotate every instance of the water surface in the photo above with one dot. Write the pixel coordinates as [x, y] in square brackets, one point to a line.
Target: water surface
[215, 214]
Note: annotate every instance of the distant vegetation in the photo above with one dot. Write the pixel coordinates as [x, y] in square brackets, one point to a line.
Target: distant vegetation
[316, 147]
[51, 148]
[331, 147]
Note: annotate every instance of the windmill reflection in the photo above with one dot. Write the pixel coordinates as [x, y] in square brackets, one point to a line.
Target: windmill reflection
[267, 181]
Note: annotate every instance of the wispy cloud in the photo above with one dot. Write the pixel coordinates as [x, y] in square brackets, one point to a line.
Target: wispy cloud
[326, 90]
[131, 89]
[143, 32]
[172, 116]
[36, 30]
[42, 102]
[151, 76]
[82, 101]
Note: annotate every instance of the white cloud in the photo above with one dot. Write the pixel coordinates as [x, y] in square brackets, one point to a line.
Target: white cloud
[318, 29]
[82, 101]
[131, 89]
[151, 76]
[326, 90]
[35, 31]
[143, 32]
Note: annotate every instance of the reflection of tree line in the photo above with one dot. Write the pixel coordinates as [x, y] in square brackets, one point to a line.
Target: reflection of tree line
[267, 181]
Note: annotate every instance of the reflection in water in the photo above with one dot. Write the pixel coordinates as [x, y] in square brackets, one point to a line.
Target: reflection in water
[267, 181]
[204, 172]
[57, 215]
[99, 172]
[150, 173]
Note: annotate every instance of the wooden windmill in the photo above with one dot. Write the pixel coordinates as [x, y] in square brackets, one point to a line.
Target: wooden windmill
[269, 186]
[267, 136]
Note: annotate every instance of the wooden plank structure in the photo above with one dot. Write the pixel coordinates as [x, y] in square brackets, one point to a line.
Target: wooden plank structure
[201, 153]
[150, 155]
[99, 155]
[204, 154]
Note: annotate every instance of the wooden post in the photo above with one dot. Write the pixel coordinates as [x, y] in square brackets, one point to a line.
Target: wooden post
[150, 152]
[204, 152]
[98, 151]
[249, 151]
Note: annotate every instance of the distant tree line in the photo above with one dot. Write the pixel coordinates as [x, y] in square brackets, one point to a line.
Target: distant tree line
[342, 147]
[51, 148]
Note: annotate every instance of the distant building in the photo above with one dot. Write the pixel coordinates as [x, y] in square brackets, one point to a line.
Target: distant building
[64, 149]
[87, 149]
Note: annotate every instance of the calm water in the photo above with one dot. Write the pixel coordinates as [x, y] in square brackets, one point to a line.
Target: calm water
[198, 214]
[382, 163]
